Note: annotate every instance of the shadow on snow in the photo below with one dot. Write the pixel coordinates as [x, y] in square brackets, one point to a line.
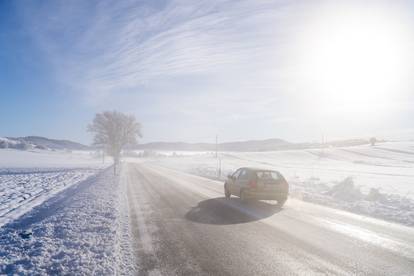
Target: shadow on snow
[222, 211]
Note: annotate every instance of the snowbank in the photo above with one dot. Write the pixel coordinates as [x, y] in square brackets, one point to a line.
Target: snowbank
[28, 178]
[21, 190]
[346, 195]
[81, 231]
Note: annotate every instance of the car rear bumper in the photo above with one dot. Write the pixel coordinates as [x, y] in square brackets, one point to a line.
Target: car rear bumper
[265, 195]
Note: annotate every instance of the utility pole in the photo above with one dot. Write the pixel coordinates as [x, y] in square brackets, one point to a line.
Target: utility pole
[216, 146]
[219, 170]
[218, 160]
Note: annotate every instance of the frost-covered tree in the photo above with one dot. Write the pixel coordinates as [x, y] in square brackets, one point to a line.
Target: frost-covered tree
[3, 144]
[113, 131]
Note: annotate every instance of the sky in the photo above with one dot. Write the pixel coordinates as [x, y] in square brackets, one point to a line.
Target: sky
[191, 70]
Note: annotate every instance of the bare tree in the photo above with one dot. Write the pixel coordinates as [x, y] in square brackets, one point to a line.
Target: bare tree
[113, 131]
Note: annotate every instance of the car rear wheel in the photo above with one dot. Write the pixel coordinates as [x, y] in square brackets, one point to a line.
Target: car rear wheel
[227, 193]
[281, 202]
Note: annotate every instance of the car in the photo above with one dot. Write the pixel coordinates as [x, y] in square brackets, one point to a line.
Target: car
[259, 184]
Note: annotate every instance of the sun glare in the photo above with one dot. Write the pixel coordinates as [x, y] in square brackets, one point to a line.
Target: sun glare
[356, 61]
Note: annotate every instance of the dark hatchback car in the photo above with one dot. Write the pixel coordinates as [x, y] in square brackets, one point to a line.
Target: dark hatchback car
[260, 184]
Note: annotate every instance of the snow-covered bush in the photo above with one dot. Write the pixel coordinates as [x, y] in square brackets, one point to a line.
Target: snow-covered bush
[373, 141]
[374, 195]
[40, 147]
[346, 190]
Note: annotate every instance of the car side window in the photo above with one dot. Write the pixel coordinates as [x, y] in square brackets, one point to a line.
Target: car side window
[243, 175]
[275, 175]
[236, 174]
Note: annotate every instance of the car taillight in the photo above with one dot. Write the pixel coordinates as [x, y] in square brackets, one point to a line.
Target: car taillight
[253, 184]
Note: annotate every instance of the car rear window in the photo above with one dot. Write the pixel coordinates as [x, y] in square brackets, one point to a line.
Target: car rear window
[268, 175]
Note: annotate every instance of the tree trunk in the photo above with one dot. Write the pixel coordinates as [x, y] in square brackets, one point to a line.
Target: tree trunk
[116, 163]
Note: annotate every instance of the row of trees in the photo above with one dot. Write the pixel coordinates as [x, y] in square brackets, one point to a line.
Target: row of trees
[20, 145]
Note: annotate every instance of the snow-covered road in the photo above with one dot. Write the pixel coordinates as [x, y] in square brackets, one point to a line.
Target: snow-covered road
[181, 224]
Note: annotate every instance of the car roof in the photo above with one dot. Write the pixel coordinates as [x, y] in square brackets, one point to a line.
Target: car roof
[255, 169]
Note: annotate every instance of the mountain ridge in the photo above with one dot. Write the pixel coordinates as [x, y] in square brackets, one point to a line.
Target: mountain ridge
[272, 144]
[39, 142]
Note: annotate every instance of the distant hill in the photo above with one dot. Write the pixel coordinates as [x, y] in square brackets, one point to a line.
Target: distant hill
[38, 142]
[248, 146]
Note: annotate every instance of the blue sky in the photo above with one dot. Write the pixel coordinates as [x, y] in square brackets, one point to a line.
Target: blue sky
[189, 70]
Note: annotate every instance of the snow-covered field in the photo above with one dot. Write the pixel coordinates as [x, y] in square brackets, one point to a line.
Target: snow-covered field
[12, 159]
[376, 181]
[28, 178]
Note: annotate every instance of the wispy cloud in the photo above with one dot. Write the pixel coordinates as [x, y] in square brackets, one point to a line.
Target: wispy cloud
[121, 45]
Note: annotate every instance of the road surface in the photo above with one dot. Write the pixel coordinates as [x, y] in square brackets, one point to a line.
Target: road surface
[182, 225]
